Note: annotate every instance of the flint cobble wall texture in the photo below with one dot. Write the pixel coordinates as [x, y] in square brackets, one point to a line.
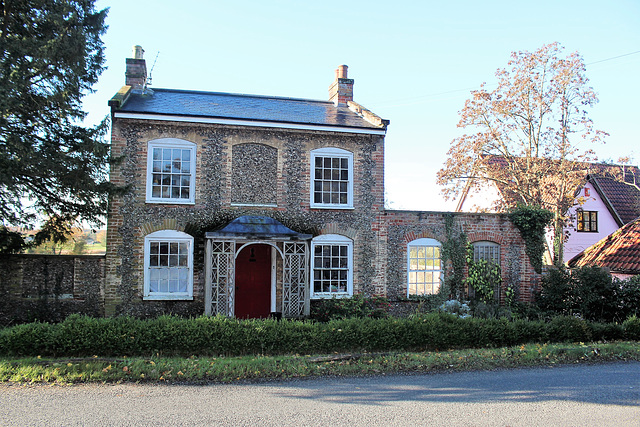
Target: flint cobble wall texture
[227, 161]
[50, 287]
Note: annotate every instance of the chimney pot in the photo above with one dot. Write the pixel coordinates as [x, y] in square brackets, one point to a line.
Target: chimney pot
[341, 90]
[136, 70]
[341, 72]
[138, 52]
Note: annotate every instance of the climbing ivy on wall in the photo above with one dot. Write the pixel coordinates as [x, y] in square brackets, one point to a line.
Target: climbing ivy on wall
[454, 252]
[532, 222]
[483, 276]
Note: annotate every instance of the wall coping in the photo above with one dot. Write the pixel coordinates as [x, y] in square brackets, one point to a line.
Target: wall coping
[69, 256]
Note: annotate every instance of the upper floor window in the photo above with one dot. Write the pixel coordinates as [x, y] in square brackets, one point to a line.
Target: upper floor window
[331, 178]
[168, 265]
[424, 267]
[171, 171]
[587, 221]
[485, 250]
[332, 265]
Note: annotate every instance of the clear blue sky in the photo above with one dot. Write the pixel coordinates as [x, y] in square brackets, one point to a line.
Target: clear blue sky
[414, 62]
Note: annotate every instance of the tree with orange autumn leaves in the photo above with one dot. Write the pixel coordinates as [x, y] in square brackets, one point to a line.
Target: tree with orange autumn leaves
[530, 136]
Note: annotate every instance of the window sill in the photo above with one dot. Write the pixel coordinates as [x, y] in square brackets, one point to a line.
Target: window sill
[170, 202]
[336, 207]
[330, 296]
[167, 298]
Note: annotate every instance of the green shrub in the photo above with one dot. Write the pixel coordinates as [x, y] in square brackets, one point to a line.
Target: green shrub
[589, 292]
[631, 328]
[357, 306]
[594, 295]
[606, 331]
[628, 292]
[214, 336]
[568, 328]
[555, 293]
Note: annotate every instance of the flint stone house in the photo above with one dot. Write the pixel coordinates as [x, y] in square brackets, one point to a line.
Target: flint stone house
[251, 206]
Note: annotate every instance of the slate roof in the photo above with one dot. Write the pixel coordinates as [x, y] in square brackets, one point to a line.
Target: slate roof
[620, 251]
[243, 107]
[256, 227]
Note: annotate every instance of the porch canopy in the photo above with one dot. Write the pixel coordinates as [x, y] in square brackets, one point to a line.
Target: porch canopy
[223, 245]
[256, 228]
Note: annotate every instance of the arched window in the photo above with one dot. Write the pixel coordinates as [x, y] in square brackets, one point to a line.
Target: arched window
[332, 265]
[168, 265]
[485, 250]
[424, 267]
[331, 178]
[171, 171]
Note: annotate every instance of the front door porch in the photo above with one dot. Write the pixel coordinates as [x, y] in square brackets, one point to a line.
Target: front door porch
[253, 263]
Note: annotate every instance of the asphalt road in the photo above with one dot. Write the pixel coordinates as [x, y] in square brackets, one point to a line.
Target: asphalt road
[583, 395]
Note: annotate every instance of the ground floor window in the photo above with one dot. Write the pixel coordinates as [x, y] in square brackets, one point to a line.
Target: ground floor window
[424, 267]
[488, 251]
[168, 265]
[488, 284]
[332, 265]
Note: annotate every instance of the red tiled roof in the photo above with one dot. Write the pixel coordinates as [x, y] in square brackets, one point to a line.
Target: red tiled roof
[619, 252]
[623, 198]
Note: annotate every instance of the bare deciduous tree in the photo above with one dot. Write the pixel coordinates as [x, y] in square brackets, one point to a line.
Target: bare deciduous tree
[529, 136]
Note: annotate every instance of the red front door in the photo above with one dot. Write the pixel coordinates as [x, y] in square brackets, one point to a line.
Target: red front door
[253, 282]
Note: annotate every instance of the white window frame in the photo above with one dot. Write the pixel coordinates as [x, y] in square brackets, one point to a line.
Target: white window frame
[332, 239]
[168, 236]
[171, 143]
[424, 243]
[333, 153]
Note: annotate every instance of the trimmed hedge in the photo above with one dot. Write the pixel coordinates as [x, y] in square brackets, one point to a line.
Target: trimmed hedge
[80, 336]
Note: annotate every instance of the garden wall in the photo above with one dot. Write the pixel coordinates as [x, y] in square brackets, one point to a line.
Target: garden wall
[50, 287]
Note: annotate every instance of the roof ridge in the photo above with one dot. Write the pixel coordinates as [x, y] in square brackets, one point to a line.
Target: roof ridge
[246, 95]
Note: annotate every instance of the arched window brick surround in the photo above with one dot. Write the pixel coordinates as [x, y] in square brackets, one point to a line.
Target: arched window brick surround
[489, 236]
[165, 224]
[333, 228]
[411, 236]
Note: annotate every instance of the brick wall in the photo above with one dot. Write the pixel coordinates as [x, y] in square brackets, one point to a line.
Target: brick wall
[405, 226]
[50, 287]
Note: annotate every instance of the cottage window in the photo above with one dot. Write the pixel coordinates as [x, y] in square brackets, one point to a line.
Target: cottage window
[488, 251]
[587, 221]
[171, 171]
[331, 178]
[332, 265]
[168, 265]
[424, 267]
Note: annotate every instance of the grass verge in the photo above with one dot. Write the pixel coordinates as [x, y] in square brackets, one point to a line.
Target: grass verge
[230, 369]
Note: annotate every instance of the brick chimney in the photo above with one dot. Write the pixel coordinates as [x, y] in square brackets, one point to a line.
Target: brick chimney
[341, 90]
[136, 71]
